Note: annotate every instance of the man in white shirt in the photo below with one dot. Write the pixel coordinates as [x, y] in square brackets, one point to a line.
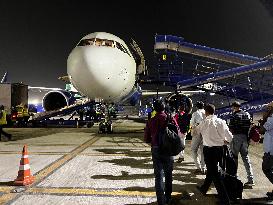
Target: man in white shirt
[216, 134]
[267, 164]
[197, 142]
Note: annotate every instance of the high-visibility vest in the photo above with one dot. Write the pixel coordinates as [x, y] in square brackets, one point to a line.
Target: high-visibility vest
[153, 113]
[25, 112]
[20, 111]
[3, 119]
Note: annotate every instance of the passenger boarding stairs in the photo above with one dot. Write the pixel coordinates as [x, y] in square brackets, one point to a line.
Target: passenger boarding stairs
[61, 112]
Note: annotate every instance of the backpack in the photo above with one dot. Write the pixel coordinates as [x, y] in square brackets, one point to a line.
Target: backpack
[170, 144]
[184, 122]
[254, 134]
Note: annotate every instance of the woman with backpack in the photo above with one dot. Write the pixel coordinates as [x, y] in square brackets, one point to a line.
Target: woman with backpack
[163, 164]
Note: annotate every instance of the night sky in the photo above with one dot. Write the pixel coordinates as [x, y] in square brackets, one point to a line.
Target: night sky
[37, 36]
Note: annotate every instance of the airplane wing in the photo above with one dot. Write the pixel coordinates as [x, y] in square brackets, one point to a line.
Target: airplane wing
[186, 92]
[43, 88]
[4, 78]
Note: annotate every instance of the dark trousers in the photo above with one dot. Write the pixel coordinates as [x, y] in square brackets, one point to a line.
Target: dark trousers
[267, 166]
[163, 166]
[213, 156]
[3, 132]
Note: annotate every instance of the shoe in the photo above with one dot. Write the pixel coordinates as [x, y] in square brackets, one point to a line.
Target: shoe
[168, 201]
[199, 188]
[249, 184]
[9, 136]
[180, 159]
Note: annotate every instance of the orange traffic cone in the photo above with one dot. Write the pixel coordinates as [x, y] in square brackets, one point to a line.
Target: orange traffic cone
[24, 176]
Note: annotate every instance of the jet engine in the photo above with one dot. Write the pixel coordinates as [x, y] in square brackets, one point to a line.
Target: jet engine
[177, 99]
[133, 97]
[55, 100]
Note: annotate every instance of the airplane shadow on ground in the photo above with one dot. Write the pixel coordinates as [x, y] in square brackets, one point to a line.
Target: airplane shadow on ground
[184, 182]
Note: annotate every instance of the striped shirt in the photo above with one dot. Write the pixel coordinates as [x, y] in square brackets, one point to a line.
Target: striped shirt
[240, 122]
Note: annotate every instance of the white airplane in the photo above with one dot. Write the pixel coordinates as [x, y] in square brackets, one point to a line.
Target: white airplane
[102, 67]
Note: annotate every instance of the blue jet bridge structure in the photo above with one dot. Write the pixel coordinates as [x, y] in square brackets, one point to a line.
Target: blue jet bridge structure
[224, 75]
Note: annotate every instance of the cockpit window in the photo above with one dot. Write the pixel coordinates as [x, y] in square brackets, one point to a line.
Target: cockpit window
[104, 42]
[86, 42]
[98, 42]
[109, 43]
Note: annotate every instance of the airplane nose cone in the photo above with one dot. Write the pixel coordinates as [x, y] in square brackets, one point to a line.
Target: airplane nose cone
[99, 72]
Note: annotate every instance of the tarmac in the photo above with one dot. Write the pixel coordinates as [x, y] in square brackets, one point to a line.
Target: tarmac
[80, 166]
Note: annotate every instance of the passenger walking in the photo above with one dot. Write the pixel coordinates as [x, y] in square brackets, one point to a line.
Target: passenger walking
[3, 122]
[239, 125]
[183, 119]
[163, 165]
[216, 134]
[197, 142]
[267, 164]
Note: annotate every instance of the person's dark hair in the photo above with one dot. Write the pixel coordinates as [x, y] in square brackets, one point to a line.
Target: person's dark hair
[236, 104]
[2, 107]
[159, 105]
[210, 109]
[199, 105]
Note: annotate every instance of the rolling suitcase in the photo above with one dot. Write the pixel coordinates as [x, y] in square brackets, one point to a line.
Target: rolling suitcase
[233, 185]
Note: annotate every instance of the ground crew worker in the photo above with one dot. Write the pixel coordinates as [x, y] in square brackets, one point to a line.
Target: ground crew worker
[3, 122]
[20, 116]
[153, 113]
[25, 115]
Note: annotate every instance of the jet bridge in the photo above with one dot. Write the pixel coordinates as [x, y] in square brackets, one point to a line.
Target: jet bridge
[232, 75]
[178, 44]
[233, 72]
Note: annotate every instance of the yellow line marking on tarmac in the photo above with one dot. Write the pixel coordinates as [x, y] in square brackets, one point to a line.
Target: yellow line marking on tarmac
[6, 197]
[34, 153]
[48, 170]
[69, 191]
[6, 189]
[42, 174]
[45, 145]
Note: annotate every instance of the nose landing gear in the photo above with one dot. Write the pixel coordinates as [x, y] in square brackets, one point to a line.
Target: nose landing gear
[105, 127]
